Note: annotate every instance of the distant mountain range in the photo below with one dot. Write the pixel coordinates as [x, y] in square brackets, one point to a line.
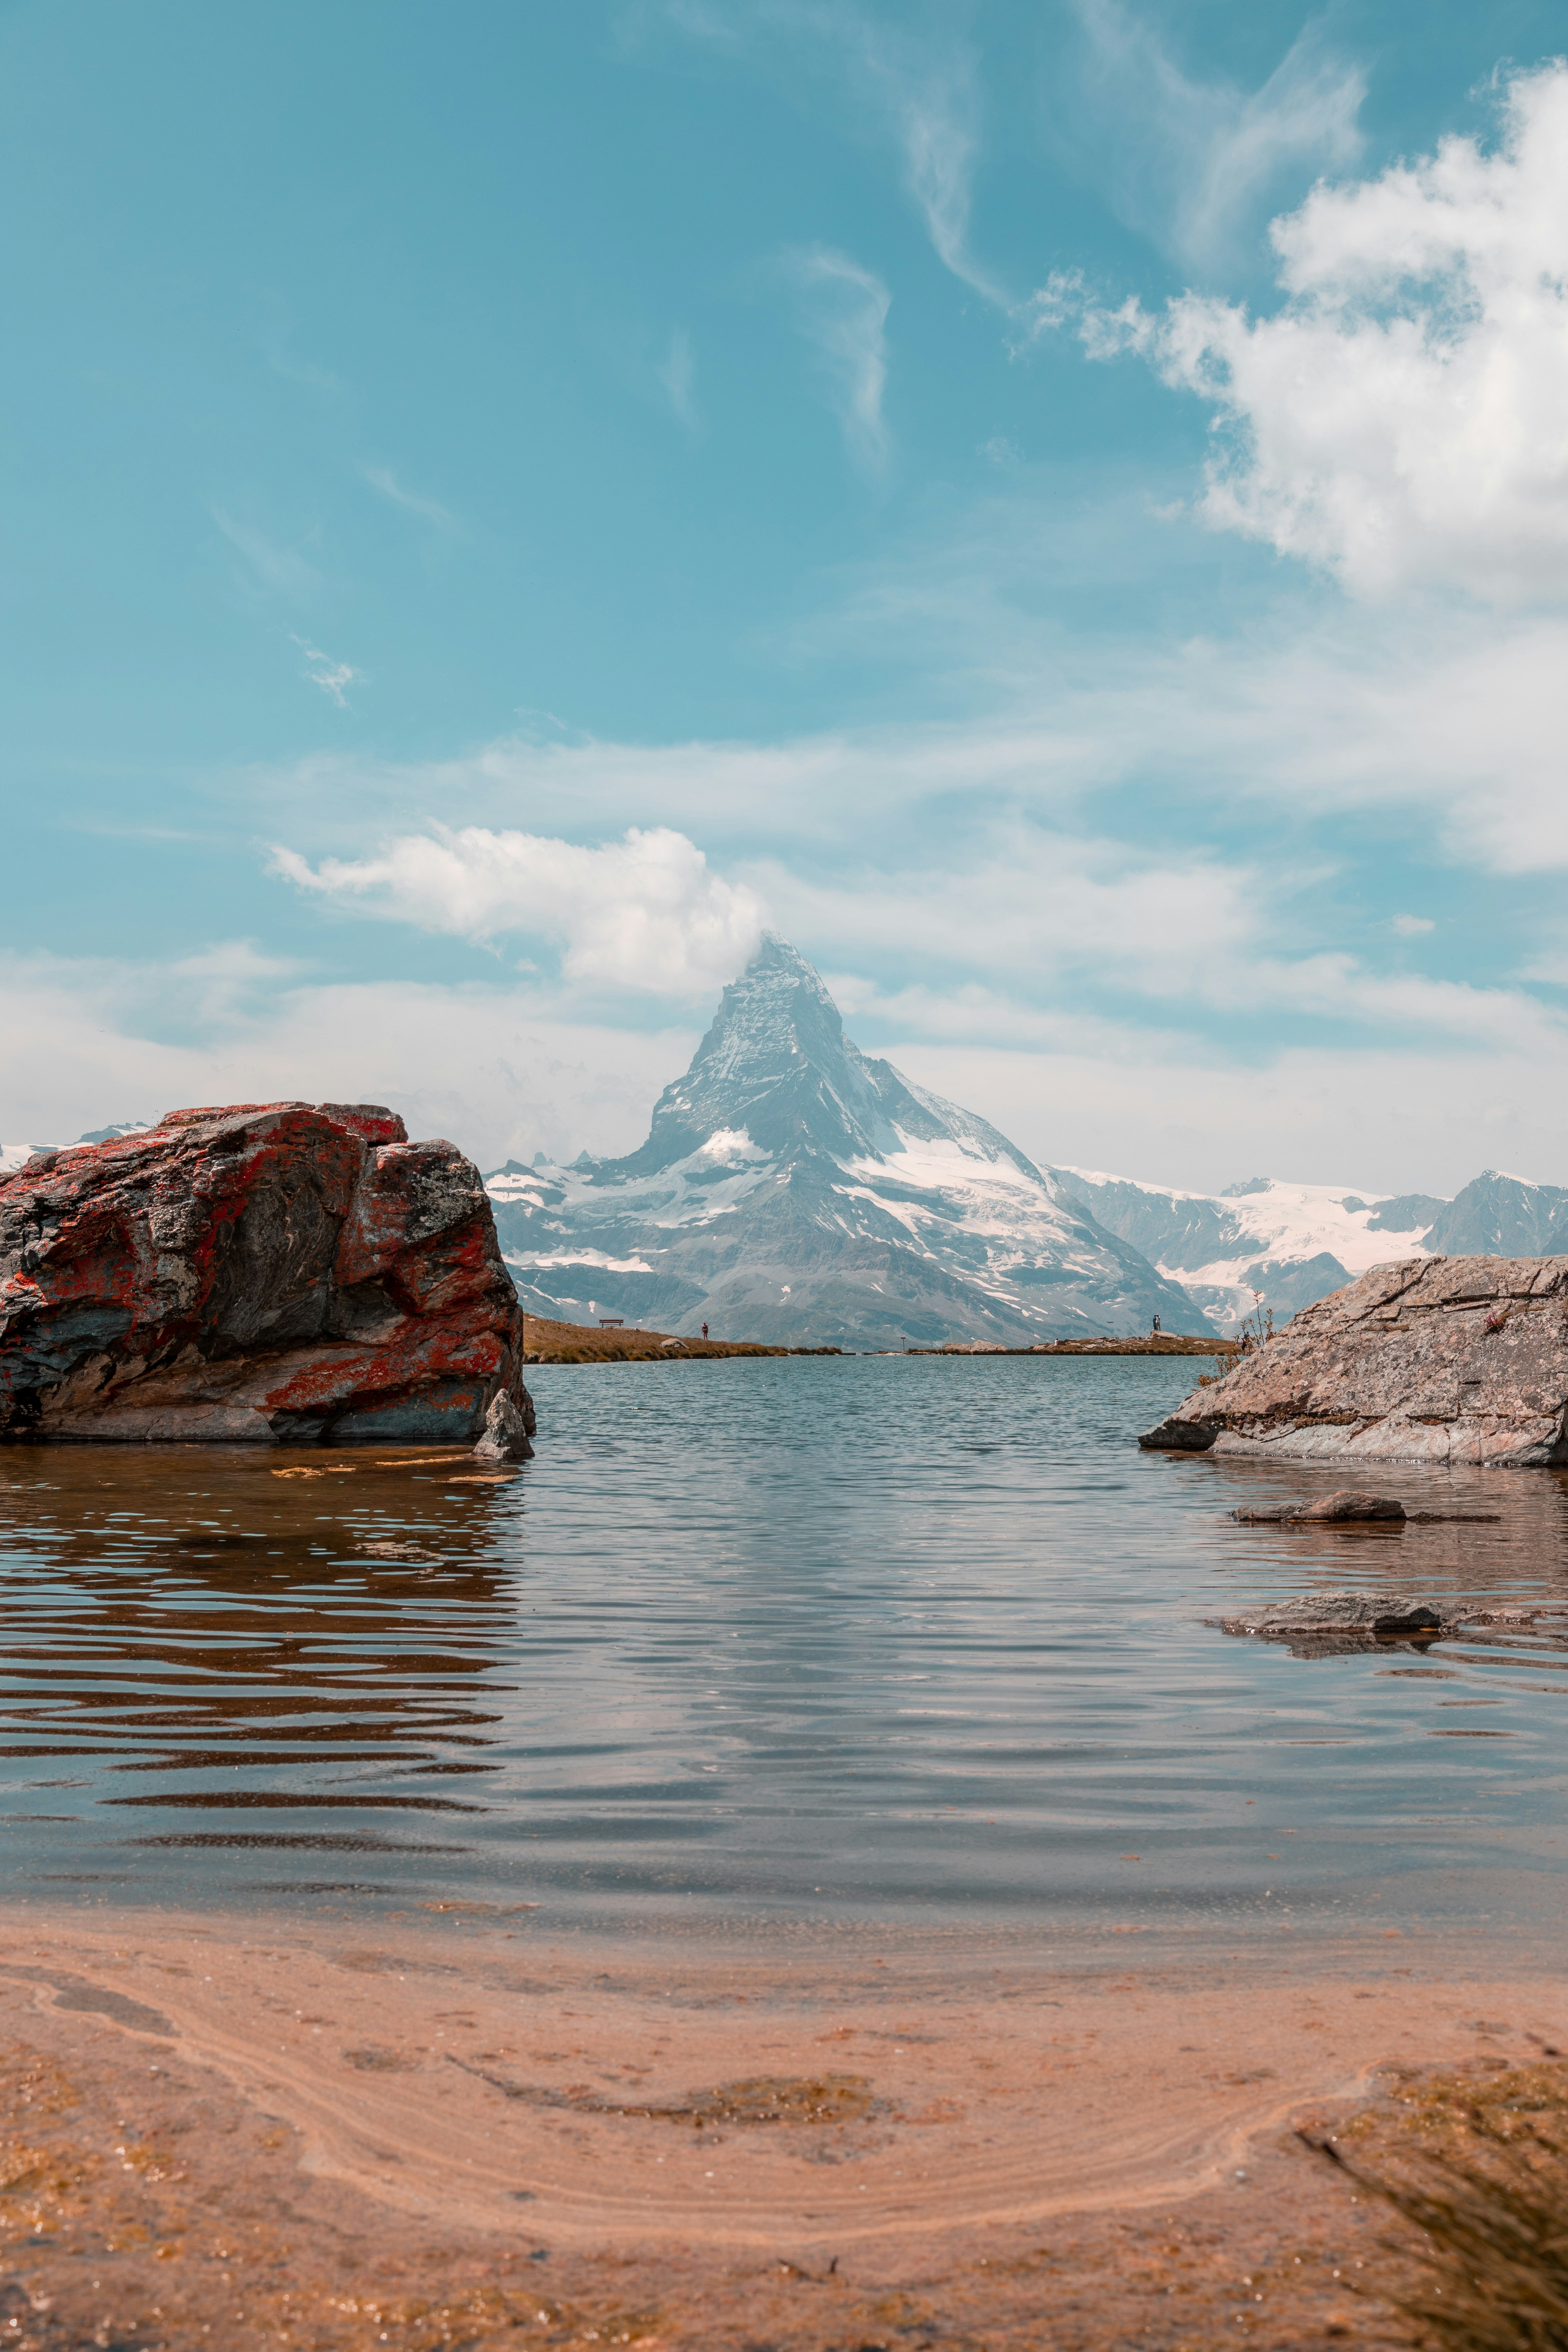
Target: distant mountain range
[1296, 1242]
[795, 1190]
[16, 1155]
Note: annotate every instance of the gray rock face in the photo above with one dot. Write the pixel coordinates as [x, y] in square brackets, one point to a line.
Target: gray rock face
[1385, 1617]
[507, 1430]
[1502, 1216]
[1427, 1359]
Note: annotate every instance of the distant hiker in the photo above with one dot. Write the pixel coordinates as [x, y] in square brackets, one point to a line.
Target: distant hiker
[705, 1330]
[1156, 1322]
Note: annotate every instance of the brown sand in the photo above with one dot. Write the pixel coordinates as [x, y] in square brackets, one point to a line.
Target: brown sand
[445, 2132]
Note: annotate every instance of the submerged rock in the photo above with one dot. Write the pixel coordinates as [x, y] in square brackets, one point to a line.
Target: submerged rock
[1346, 1503]
[1348, 1506]
[1382, 1617]
[265, 1271]
[1428, 1359]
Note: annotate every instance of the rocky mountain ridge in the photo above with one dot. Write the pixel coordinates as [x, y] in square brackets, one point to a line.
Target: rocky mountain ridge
[1295, 1243]
[795, 1190]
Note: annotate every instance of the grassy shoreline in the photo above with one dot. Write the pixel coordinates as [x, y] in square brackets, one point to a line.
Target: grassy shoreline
[548, 1342]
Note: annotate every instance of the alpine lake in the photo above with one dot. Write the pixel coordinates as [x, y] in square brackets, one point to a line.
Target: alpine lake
[778, 1647]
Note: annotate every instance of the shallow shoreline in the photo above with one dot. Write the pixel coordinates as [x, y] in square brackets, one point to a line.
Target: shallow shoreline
[517, 2097]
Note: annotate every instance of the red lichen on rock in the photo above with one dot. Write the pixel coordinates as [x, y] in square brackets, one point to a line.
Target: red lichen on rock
[259, 1271]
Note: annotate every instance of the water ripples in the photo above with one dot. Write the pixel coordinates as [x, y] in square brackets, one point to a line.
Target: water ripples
[768, 1639]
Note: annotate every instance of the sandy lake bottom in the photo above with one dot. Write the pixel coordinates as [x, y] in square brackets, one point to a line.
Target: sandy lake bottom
[792, 1866]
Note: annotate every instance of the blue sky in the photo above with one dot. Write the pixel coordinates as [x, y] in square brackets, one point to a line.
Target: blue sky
[1061, 509]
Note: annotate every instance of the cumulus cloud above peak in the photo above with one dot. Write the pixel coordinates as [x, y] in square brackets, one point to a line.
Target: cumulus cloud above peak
[1398, 421]
[642, 913]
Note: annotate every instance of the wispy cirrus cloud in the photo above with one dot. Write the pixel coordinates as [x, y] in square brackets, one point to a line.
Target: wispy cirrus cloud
[386, 484]
[1029, 908]
[1450, 723]
[333, 677]
[843, 310]
[908, 78]
[1190, 160]
[283, 569]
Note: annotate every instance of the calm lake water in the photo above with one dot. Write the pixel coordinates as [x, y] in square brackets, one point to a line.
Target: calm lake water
[908, 1640]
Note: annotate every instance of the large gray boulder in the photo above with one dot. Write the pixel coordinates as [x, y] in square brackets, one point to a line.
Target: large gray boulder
[1444, 1360]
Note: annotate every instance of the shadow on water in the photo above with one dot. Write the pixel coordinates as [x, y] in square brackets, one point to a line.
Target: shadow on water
[201, 1649]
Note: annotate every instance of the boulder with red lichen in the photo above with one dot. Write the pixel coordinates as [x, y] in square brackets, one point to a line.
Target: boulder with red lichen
[264, 1272]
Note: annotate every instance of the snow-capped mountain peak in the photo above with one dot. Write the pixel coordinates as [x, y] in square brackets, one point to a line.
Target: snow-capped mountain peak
[793, 1188]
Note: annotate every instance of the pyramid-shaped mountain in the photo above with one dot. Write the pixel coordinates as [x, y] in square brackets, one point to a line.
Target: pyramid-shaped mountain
[795, 1190]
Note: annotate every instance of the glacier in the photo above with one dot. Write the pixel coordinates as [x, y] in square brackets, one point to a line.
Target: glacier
[1283, 1247]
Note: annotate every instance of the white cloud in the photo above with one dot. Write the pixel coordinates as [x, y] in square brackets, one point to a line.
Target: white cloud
[1453, 721]
[501, 1072]
[1410, 927]
[1163, 1108]
[677, 371]
[332, 677]
[1398, 421]
[642, 913]
[844, 310]
[1021, 901]
[1190, 937]
[1187, 160]
[927, 92]
[385, 484]
[504, 1071]
[1456, 720]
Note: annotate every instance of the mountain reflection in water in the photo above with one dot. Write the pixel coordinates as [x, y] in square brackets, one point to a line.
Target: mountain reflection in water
[759, 1642]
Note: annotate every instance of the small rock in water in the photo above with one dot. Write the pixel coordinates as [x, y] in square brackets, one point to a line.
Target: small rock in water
[507, 1430]
[1345, 1502]
[389, 1547]
[1385, 1617]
